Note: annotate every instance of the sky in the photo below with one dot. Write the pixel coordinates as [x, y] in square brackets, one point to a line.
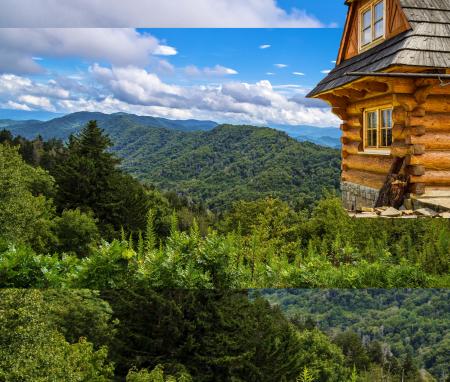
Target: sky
[235, 61]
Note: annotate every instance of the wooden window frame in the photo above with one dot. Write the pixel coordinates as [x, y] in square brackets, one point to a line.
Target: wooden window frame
[375, 41]
[379, 150]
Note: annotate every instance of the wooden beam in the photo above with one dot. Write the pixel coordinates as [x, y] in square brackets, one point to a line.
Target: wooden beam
[431, 141]
[432, 177]
[415, 170]
[435, 121]
[351, 148]
[435, 160]
[371, 86]
[379, 164]
[354, 134]
[401, 132]
[365, 178]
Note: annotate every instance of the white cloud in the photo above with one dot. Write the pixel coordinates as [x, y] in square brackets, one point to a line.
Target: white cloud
[216, 71]
[19, 48]
[265, 46]
[35, 101]
[135, 90]
[270, 74]
[298, 73]
[153, 13]
[164, 50]
[15, 106]
[333, 62]
[325, 71]
[280, 65]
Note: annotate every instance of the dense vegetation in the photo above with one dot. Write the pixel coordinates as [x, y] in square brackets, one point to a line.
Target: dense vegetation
[401, 323]
[214, 167]
[146, 335]
[53, 225]
[71, 217]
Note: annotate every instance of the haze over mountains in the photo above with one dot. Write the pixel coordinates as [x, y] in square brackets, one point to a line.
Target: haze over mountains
[62, 126]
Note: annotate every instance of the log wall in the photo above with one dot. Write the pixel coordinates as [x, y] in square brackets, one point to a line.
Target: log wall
[421, 131]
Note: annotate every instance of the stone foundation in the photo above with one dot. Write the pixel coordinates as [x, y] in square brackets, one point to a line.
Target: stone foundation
[355, 196]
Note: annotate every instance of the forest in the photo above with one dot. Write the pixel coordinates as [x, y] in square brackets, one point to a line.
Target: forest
[124, 280]
[67, 211]
[146, 335]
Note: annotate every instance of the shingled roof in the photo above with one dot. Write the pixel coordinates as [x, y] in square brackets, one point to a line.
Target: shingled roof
[426, 44]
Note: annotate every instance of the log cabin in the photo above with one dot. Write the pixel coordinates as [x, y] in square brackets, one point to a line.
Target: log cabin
[391, 89]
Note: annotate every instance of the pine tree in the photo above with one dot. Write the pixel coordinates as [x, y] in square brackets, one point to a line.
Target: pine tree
[150, 237]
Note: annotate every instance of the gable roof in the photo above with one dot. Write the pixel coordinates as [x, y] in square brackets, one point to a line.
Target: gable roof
[426, 44]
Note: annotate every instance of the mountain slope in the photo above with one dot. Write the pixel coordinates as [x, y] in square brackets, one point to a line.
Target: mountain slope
[230, 163]
[72, 123]
[62, 127]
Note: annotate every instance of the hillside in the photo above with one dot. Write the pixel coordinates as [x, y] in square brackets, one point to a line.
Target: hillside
[229, 163]
[217, 166]
[62, 127]
[408, 321]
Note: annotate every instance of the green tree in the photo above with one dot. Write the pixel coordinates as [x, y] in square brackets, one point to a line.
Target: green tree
[77, 232]
[31, 348]
[25, 213]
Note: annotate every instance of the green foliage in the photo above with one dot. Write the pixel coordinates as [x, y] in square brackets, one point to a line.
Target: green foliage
[31, 348]
[393, 329]
[77, 232]
[230, 163]
[25, 214]
[156, 375]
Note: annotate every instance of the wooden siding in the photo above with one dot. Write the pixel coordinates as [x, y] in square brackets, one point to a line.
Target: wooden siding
[396, 23]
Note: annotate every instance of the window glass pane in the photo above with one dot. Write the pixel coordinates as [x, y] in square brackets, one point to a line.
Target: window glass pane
[387, 118]
[367, 36]
[379, 29]
[389, 137]
[367, 19]
[372, 117]
[374, 138]
[379, 11]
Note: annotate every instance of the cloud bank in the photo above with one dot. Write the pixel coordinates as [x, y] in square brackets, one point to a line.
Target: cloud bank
[136, 90]
[152, 14]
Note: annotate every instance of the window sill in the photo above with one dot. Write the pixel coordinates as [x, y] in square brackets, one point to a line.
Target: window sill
[376, 152]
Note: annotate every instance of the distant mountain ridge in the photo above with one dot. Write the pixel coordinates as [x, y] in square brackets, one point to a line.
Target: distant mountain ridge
[62, 127]
[213, 164]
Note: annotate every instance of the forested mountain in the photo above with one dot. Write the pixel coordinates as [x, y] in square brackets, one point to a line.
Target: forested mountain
[214, 167]
[406, 322]
[113, 124]
[61, 126]
[230, 163]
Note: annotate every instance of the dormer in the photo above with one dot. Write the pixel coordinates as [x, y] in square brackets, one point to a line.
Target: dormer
[369, 23]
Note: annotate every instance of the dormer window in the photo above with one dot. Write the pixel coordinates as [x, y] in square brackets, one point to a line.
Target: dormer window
[372, 24]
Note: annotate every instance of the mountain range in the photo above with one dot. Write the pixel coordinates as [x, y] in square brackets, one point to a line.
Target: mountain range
[210, 163]
[62, 126]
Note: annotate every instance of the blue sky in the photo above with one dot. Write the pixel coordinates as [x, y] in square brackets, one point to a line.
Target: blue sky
[257, 75]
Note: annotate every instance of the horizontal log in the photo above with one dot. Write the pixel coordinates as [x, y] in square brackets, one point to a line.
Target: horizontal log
[354, 121]
[417, 170]
[371, 86]
[351, 148]
[432, 177]
[378, 164]
[434, 160]
[352, 135]
[365, 178]
[431, 141]
[432, 121]
[437, 104]
[357, 107]
[401, 132]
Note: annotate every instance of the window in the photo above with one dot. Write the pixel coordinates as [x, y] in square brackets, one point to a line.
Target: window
[378, 128]
[372, 23]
